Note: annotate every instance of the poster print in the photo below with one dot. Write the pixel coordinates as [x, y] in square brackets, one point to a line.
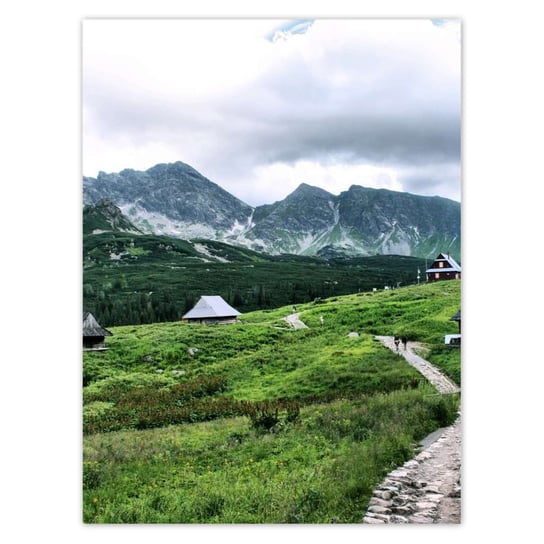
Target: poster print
[271, 271]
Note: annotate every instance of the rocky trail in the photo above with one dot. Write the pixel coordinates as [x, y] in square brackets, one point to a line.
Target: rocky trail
[442, 383]
[426, 489]
[295, 322]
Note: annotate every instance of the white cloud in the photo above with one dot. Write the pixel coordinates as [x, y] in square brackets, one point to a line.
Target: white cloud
[279, 179]
[335, 101]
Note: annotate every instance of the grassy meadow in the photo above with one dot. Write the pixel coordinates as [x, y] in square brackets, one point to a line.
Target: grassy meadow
[258, 422]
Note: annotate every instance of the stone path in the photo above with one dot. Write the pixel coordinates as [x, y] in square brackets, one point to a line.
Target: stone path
[426, 489]
[295, 322]
[442, 383]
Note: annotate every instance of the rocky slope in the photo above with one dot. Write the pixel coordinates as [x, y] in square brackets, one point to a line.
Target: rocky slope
[176, 200]
[171, 199]
[104, 217]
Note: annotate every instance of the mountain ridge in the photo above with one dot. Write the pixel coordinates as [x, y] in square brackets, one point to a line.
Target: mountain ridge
[176, 200]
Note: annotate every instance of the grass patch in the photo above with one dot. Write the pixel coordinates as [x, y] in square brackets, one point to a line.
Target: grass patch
[257, 422]
[320, 469]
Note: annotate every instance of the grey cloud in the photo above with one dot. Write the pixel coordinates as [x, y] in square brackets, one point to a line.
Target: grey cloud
[264, 132]
[363, 138]
[433, 180]
[297, 112]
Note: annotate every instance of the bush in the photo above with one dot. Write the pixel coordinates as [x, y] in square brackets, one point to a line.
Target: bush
[91, 474]
[267, 415]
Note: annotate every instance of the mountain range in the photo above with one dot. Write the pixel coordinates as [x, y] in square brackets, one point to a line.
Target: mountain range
[176, 200]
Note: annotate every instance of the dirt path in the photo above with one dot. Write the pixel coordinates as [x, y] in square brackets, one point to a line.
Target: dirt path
[426, 489]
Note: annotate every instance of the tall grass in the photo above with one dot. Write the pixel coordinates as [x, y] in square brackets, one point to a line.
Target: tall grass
[319, 469]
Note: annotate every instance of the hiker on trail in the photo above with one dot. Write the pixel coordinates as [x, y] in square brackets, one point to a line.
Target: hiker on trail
[294, 309]
[404, 342]
[397, 343]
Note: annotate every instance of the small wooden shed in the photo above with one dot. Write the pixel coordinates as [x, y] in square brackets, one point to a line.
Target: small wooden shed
[94, 335]
[454, 339]
[457, 317]
[211, 310]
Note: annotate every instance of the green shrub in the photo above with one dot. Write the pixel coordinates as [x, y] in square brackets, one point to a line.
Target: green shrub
[92, 474]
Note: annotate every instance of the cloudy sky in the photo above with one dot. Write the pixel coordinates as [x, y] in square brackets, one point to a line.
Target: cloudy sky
[262, 105]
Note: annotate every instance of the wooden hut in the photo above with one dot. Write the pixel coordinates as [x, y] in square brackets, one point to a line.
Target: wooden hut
[93, 334]
[454, 339]
[457, 317]
[444, 267]
[211, 310]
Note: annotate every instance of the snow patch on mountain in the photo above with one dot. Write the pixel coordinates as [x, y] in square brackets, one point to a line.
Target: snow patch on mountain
[205, 250]
[238, 228]
[158, 223]
[335, 210]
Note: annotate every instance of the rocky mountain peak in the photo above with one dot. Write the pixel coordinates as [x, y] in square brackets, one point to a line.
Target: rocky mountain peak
[176, 200]
[306, 190]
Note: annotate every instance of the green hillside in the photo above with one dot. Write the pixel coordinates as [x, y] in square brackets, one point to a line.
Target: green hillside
[131, 279]
[258, 422]
[105, 216]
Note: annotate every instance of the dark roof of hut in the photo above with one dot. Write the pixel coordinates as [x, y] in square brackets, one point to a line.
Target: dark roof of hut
[451, 264]
[91, 327]
[456, 317]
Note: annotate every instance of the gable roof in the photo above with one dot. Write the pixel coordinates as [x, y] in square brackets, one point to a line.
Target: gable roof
[456, 317]
[91, 327]
[211, 307]
[452, 264]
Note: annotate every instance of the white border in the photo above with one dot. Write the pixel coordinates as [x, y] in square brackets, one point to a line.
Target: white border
[40, 224]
